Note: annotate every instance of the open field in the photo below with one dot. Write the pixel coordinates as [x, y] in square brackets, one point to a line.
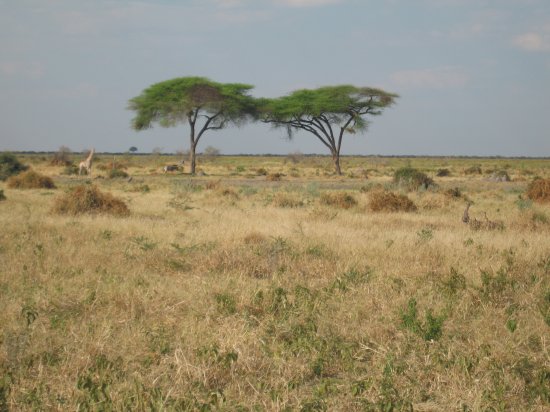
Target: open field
[248, 288]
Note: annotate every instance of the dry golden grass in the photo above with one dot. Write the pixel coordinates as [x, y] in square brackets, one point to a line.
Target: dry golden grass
[30, 180]
[204, 301]
[340, 200]
[386, 201]
[89, 199]
[539, 190]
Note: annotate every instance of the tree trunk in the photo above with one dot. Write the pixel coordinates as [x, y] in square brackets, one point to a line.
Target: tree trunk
[192, 158]
[336, 160]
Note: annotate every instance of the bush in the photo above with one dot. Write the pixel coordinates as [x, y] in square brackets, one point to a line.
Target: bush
[284, 200]
[62, 157]
[10, 166]
[539, 190]
[274, 177]
[116, 173]
[261, 172]
[69, 170]
[453, 193]
[412, 179]
[2, 196]
[342, 200]
[473, 170]
[30, 180]
[385, 201]
[89, 199]
[443, 173]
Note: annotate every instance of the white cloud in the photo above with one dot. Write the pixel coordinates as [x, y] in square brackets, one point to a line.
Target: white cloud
[435, 78]
[533, 41]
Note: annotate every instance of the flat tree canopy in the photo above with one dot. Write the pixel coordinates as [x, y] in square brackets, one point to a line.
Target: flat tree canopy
[201, 102]
[327, 112]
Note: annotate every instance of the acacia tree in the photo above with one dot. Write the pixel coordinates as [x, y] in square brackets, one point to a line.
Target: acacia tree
[201, 102]
[327, 113]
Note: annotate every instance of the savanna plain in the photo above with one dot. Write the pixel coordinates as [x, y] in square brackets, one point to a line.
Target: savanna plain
[271, 284]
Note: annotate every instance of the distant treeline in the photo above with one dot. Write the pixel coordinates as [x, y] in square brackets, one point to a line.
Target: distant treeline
[33, 152]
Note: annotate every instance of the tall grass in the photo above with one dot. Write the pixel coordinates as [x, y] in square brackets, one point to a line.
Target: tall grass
[244, 303]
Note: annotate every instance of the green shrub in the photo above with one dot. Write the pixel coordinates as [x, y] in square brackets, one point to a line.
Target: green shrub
[2, 196]
[10, 166]
[443, 173]
[30, 180]
[412, 179]
[70, 169]
[117, 173]
[431, 329]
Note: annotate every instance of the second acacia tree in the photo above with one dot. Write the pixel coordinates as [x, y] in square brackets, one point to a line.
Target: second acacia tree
[202, 103]
[327, 112]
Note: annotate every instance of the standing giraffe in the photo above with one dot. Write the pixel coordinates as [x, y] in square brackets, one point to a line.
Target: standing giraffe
[87, 164]
[466, 215]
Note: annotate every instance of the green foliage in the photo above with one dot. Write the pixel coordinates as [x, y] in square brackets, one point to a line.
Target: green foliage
[174, 101]
[226, 303]
[2, 195]
[326, 112]
[10, 166]
[70, 170]
[117, 173]
[412, 179]
[431, 329]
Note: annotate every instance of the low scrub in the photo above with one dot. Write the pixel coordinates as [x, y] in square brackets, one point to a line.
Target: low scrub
[473, 170]
[30, 180]
[274, 177]
[117, 173]
[539, 190]
[412, 179]
[2, 196]
[10, 166]
[87, 199]
[341, 200]
[443, 173]
[70, 170]
[285, 200]
[386, 201]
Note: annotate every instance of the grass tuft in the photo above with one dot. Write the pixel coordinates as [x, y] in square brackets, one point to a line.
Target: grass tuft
[30, 180]
[86, 199]
[385, 201]
[341, 200]
[412, 179]
[539, 190]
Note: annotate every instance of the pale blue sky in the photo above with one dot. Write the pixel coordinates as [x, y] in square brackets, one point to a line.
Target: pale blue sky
[473, 75]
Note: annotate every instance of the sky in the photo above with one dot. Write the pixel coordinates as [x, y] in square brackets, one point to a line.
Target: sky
[473, 76]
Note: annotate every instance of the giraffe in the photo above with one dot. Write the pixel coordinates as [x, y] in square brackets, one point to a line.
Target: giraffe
[466, 215]
[87, 164]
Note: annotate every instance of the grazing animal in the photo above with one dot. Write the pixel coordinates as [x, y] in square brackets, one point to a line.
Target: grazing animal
[466, 215]
[170, 168]
[87, 164]
[480, 224]
[173, 168]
